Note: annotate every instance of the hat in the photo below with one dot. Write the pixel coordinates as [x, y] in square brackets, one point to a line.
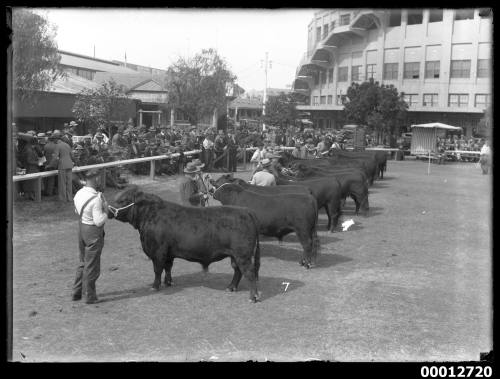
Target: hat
[191, 168]
[266, 162]
[49, 133]
[309, 140]
[73, 123]
[92, 173]
[32, 132]
[152, 129]
[56, 134]
[41, 135]
[198, 163]
[78, 147]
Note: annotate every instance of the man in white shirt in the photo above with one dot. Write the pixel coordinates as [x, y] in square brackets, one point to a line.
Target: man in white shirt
[208, 154]
[92, 208]
[485, 158]
[264, 177]
[258, 156]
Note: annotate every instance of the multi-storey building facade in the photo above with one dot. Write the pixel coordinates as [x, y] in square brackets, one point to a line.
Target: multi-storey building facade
[440, 59]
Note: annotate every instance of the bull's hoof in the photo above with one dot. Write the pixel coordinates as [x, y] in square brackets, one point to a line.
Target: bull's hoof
[155, 288]
[169, 284]
[302, 262]
[231, 289]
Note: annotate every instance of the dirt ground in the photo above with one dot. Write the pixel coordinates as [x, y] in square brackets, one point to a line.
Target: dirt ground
[412, 281]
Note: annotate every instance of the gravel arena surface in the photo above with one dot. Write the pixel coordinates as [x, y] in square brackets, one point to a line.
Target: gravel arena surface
[412, 281]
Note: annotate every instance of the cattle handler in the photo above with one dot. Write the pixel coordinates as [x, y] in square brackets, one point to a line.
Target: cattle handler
[92, 208]
[191, 193]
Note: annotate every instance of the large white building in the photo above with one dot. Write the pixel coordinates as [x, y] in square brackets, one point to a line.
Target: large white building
[439, 58]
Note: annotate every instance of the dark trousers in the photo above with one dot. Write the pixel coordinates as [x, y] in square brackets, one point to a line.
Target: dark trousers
[90, 244]
[65, 184]
[207, 158]
[232, 160]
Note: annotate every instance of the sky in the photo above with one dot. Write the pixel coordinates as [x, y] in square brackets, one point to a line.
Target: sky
[157, 37]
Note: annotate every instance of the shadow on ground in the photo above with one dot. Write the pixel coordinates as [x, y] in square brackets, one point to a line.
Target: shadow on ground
[269, 286]
[295, 255]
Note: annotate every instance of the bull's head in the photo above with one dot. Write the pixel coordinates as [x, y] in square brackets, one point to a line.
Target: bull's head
[121, 205]
[226, 178]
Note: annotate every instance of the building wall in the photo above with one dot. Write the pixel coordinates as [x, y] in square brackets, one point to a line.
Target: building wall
[443, 41]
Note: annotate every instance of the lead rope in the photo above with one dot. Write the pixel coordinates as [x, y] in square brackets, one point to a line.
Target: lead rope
[116, 210]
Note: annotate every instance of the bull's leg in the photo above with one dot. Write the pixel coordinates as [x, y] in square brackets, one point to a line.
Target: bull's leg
[246, 266]
[327, 209]
[236, 277]
[168, 271]
[158, 269]
[307, 244]
[335, 214]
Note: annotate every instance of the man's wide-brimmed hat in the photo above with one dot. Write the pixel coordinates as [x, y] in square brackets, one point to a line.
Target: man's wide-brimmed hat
[56, 134]
[191, 168]
[92, 173]
[266, 162]
[198, 163]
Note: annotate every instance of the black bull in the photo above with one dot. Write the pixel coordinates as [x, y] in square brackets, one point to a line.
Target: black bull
[327, 193]
[204, 235]
[279, 215]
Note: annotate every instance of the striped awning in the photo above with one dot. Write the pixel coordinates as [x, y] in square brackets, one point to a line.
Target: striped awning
[423, 141]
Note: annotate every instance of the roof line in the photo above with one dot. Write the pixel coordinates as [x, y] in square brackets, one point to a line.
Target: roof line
[144, 82]
[88, 57]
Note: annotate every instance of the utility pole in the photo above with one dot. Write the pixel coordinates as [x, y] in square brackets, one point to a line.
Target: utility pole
[266, 65]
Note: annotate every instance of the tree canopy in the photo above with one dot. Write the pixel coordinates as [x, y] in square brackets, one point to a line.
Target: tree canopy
[281, 110]
[35, 55]
[199, 85]
[99, 106]
[379, 107]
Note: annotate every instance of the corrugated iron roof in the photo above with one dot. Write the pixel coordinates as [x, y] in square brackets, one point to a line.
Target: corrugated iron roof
[81, 61]
[129, 80]
[245, 103]
[72, 84]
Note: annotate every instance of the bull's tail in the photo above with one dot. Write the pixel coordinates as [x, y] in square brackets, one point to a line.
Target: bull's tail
[256, 258]
[316, 246]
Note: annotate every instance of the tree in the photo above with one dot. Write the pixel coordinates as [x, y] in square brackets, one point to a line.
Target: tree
[377, 106]
[97, 107]
[281, 110]
[34, 51]
[199, 85]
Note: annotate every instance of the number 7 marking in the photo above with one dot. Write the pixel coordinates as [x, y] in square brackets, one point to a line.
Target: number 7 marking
[287, 284]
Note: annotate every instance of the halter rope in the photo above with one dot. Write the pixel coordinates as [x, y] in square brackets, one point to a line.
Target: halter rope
[116, 210]
[218, 188]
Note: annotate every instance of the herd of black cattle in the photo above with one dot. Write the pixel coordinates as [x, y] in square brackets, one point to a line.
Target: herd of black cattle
[209, 234]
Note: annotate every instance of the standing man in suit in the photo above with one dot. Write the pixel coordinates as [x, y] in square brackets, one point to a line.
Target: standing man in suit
[64, 155]
[50, 181]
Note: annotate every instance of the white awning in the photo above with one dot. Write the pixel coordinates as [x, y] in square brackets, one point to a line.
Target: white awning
[437, 125]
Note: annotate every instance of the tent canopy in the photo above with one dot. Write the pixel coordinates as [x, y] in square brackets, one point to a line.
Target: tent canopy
[437, 125]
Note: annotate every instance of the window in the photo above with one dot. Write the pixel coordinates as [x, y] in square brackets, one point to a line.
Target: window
[395, 18]
[318, 33]
[332, 25]
[323, 77]
[342, 74]
[482, 101]
[460, 69]
[430, 100]
[322, 100]
[325, 30]
[315, 100]
[411, 70]
[458, 100]
[330, 99]
[415, 17]
[370, 71]
[390, 71]
[316, 78]
[435, 15]
[464, 14]
[330, 75]
[411, 99]
[483, 68]
[345, 19]
[485, 12]
[355, 72]
[432, 69]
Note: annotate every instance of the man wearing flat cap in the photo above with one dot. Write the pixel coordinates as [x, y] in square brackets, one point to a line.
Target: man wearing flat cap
[92, 208]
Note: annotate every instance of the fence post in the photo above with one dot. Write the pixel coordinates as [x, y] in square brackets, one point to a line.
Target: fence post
[152, 170]
[103, 177]
[38, 190]
[244, 159]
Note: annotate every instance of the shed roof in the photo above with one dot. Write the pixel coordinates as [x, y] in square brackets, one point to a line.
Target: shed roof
[131, 81]
[245, 103]
[72, 84]
[82, 61]
[437, 125]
